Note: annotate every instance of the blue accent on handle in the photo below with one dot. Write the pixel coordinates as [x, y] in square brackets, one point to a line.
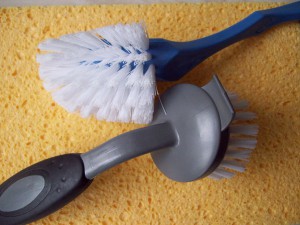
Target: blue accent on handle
[173, 60]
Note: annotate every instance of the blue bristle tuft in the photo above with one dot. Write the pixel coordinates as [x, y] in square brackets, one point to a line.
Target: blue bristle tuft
[122, 64]
[146, 66]
[106, 42]
[125, 50]
[132, 65]
[138, 51]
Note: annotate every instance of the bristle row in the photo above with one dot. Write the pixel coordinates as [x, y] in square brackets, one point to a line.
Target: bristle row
[241, 142]
[250, 130]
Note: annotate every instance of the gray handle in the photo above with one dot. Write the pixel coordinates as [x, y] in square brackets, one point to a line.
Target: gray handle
[41, 189]
[127, 146]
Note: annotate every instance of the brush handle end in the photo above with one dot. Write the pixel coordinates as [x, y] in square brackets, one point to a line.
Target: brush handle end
[41, 189]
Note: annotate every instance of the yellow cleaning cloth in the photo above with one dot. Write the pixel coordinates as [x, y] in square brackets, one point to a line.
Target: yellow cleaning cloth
[264, 70]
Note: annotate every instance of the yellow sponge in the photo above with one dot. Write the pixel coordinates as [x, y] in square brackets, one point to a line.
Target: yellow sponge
[263, 69]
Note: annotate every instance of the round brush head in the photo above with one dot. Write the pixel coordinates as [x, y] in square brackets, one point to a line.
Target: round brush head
[209, 143]
[101, 72]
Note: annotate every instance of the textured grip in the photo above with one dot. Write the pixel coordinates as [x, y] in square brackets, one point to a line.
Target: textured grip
[41, 189]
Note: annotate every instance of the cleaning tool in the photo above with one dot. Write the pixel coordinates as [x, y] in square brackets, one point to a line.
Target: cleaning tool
[195, 133]
[110, 72]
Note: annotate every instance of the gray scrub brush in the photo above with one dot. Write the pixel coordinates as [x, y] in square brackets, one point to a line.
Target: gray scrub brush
[195, 133]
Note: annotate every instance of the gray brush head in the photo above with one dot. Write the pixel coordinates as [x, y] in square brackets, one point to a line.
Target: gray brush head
[201, 117]
[188, 138]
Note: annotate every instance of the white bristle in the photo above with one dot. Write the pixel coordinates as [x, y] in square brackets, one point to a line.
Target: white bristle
[233, 165]
[251, 130]
[221, 173]
[86, 110]
[215, 176]
[125, 114]
[241, 141]
[238, 154]
[245, 116]
[56, 45]
[239, 104]
[232, 96]
[91, 72]
[140, 113]
[85, 39]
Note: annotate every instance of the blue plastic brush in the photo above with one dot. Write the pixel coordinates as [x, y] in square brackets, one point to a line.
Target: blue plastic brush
[173, 60]
[110, 72]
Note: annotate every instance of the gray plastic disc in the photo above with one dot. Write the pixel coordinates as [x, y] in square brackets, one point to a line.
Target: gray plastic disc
[195, 118]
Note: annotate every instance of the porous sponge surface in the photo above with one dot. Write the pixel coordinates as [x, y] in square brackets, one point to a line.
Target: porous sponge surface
[264, 70]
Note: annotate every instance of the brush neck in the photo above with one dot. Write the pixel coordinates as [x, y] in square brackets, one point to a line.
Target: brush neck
[127, 146]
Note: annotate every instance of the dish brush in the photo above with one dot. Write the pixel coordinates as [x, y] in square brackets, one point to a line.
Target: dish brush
[110, 72]
[195, 133]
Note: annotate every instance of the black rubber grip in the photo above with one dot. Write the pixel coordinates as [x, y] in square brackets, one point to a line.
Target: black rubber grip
[41, 189]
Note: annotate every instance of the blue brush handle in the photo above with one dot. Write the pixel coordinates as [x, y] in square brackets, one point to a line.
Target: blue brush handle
[252, 25]
[173, 60]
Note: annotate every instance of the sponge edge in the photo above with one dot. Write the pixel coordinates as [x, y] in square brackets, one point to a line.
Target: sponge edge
[101, 73]
[264, 70]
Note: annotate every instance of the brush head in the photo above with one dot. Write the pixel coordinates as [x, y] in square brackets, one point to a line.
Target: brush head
[102, 73]
[210, 141]
[241, 141]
